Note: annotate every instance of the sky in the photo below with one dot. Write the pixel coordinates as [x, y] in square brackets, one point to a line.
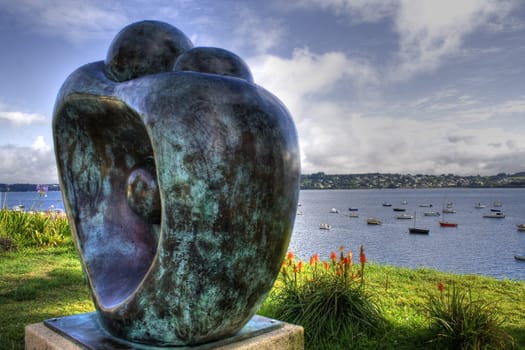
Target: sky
[390, 86]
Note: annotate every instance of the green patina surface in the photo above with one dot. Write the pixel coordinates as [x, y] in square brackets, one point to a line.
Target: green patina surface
[181, 180]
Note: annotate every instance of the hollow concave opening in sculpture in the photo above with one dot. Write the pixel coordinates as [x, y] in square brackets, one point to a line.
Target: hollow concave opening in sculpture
[99, 142]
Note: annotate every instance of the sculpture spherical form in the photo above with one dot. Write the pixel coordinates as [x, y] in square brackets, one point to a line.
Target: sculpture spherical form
[143, 48]
[180, 179]
[215, 61]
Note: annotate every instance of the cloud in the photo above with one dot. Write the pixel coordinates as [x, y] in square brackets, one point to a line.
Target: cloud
[307, 75]
[21, 118]
[357, 10]
[28, 164]
[432, 31]
[75, 20]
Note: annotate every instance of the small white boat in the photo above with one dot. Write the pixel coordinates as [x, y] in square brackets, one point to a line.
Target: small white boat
[18, 207]
[353, 214]
[386, 204]
[520, 227]
[405, 216]
[497, 204]
[373, 221]
[494, 215]
[334, 211]
[448, 211]
[325, 226]
[431, 213]
[404, 202]
[479, 206]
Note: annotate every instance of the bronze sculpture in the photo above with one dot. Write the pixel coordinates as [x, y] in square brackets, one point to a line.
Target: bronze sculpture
[180, 179]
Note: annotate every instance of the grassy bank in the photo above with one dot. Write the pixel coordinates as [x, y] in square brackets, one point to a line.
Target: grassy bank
[37, 284]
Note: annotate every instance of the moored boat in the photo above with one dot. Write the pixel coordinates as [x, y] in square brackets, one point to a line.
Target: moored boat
[418, 230]
[496, 215]
[431, 213]
[405, 216]
[325, 226]
[334, 211]
[447, 224]
[373, 221]
[519, 257]
[479, 205]
[520, 227]
[399, 209]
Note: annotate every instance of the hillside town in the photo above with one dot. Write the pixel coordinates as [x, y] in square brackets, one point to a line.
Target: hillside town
[321, 180]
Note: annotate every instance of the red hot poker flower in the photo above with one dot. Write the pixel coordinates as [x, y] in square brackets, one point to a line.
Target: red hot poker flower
[326, 265]
[441, 287]
[362, 256]
[300, 265]
[290, 256]
[333, 256]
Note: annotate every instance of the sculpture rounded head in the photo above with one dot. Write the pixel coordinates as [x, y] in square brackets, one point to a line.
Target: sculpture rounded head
[143, 48]
[213, 60]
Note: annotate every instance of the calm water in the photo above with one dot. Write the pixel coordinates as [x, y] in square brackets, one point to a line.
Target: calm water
[478, 245]
[32, 200]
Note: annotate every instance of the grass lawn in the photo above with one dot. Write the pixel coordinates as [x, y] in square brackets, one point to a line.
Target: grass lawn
[37, 284]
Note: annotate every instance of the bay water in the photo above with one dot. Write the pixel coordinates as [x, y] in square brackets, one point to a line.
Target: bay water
[478, 245]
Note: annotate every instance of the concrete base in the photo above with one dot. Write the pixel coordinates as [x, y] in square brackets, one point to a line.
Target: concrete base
[287, 337]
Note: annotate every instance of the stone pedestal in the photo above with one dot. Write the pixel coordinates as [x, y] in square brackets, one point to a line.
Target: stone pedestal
[38, 336]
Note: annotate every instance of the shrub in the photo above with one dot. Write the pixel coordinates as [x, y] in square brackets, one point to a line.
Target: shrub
[459, 322]
[34, 229]
[329, 302]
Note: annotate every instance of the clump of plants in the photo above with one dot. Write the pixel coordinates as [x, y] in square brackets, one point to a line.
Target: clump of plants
[457, 321]
[328, 299]
[20, 229]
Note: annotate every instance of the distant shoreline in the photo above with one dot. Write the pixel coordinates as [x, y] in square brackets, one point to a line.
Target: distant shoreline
[322, 181]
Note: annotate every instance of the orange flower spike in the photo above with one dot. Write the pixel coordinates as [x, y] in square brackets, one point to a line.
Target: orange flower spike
[326, 265]
[333, 256]
[300, 266]
[362, 256]
[316, 256]
[290, 256]
[349, 256]
[346, 261]
[441, 287]
[338, 272]
[312, 260]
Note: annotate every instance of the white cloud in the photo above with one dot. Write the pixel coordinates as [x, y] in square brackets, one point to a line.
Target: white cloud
[307, 75]
[358, 10]
[432, 31]
[21, 118]
[73, 19]
[28, 164]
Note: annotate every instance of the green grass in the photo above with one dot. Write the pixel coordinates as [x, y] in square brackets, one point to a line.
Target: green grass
[402, 295]
[37, 284]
